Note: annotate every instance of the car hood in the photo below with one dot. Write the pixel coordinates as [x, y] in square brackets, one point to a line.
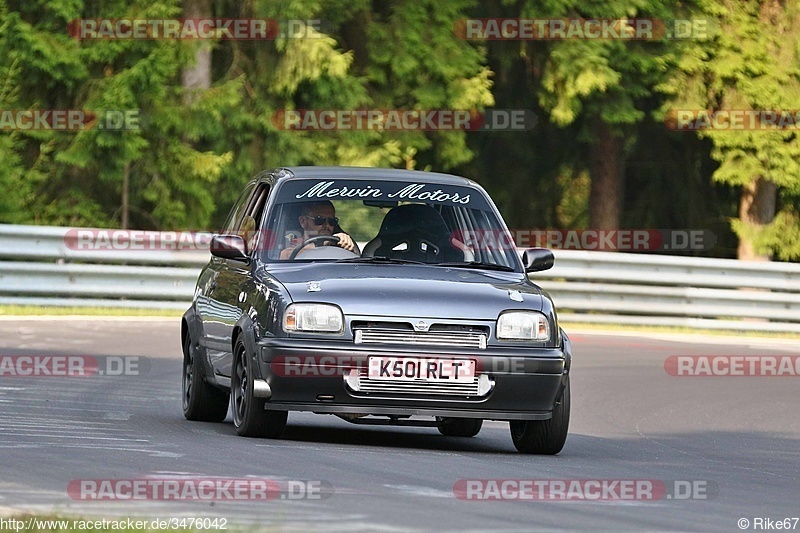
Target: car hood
[409, 290]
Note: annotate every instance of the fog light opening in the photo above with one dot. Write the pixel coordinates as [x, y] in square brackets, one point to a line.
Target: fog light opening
[352, 380]
[485, 384]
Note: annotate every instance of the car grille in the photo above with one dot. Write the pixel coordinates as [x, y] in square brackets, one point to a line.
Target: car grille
[443, 336]
[364, 384]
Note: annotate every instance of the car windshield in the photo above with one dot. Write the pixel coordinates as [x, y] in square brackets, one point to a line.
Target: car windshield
[392, 222]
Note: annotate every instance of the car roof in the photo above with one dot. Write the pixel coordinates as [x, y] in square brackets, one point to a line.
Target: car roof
[276, 175]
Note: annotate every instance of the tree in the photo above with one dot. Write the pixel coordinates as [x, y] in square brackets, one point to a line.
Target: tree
[399, 55]
[12, 172]
[753, 63]
[78, 178]
[602, 84]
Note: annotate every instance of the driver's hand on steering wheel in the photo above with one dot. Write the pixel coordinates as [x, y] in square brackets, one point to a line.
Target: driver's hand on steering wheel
[345, 241]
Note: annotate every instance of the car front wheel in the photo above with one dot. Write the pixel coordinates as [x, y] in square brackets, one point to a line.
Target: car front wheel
[249, 417]
[544, 437]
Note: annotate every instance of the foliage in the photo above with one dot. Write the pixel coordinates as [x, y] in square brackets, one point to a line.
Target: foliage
[193, 149]
[753, 63]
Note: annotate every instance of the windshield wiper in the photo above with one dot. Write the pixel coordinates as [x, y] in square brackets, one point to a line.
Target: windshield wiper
[476, 264]
[379, 259]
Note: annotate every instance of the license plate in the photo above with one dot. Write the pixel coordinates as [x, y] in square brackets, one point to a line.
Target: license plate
[422, 368]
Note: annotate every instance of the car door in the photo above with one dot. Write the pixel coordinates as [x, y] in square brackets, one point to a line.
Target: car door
[210, 303]
[229, 296]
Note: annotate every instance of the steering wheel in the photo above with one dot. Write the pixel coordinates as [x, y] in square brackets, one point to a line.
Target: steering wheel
[318, 238]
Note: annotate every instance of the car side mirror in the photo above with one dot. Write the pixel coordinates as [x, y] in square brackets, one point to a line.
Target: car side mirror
[229, 247]
[537, 259]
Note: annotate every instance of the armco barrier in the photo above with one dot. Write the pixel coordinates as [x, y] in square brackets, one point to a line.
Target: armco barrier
[43, 265]
[39, 267]
[601, 287]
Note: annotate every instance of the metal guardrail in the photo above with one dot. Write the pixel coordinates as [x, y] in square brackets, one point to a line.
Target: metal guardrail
[42, 265]
[54, 266]
[602, 287]
[103, 246]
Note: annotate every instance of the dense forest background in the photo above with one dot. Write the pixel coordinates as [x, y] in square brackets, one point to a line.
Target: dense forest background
[600, 155]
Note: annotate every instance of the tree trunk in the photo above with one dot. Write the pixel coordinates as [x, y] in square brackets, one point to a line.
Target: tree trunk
[199, 75]
[756, 209]
[126, 187]
[605, 157]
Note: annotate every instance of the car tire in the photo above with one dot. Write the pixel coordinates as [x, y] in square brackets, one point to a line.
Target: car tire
[201, 400]
[460, 427]
[249, 417]
[544, 437]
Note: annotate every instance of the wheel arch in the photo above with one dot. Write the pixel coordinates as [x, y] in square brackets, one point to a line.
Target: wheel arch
[246, 331]
[192, 327]
[567, 347]
[184, 330]
[187, 316]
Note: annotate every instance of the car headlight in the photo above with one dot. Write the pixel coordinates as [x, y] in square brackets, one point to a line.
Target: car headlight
[523, 326]
[313, 318]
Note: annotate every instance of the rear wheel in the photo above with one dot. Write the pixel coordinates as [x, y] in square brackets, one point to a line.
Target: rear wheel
[460, 427]
[544, 437]
[201, 401]
[249, 417]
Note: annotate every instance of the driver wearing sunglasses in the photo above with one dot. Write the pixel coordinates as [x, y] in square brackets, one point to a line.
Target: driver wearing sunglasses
[318, 219]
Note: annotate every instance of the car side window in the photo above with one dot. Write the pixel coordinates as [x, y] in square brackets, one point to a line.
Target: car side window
[257, 211]
[253, 213]
[237, 212]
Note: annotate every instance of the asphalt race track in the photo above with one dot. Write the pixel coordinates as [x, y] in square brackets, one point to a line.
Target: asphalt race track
[733, 440]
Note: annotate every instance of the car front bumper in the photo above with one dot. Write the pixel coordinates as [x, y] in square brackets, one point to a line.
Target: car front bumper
[307, 375]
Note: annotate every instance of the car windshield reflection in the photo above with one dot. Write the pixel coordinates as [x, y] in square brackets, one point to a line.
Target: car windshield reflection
[386, 222]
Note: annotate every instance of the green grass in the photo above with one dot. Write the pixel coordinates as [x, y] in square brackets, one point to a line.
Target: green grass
[35, 310]
[567, 325]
